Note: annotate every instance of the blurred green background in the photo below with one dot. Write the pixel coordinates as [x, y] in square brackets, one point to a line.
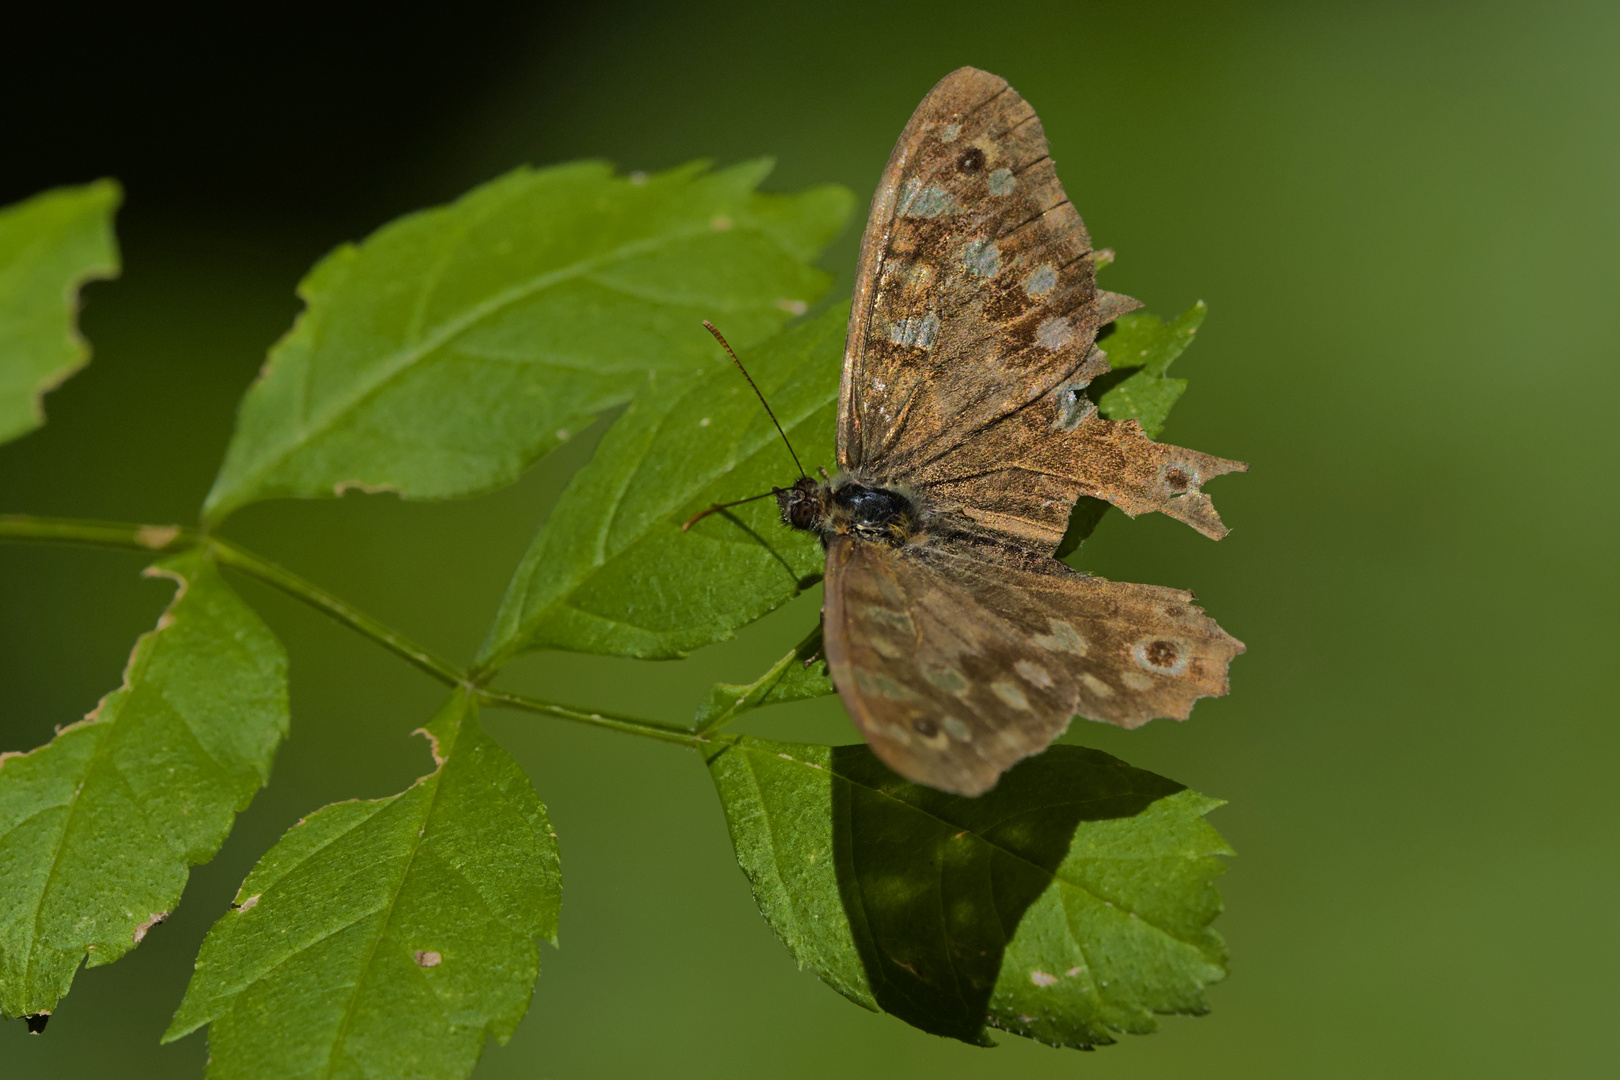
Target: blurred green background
[1405, 219]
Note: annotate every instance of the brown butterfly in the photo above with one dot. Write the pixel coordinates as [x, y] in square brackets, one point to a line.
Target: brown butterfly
[958, 643]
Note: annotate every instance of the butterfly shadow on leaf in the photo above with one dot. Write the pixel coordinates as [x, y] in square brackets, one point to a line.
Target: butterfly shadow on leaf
[936, 886]
[800, 583]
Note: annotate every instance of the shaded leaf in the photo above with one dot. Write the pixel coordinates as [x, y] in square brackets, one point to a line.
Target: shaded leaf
[1071, 901]
[50, 245]
[454, 347]
[386, 938]
[612, 572]
[799, 675]
[99, 827]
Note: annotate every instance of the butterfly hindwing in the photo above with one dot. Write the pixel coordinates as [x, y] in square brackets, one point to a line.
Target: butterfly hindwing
[956, 661]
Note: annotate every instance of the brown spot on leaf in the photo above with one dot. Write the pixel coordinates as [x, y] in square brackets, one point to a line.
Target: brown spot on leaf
[428, 958]
[251, 902]
[156, 537]
[156, 919]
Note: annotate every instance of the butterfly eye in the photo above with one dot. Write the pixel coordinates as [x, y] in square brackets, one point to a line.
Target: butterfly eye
[972, 160]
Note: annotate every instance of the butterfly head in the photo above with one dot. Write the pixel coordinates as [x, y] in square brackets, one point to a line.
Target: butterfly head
[804, 505]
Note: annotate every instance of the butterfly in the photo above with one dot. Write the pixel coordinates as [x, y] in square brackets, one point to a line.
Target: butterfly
[956, 639]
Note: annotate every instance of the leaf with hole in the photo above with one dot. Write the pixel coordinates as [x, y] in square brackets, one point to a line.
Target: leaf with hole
[389, 937]
[99, 827]
[1072, 901]
[456, 346]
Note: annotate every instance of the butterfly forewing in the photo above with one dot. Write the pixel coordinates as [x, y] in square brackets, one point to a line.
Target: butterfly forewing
[956, 661]
[972, 335]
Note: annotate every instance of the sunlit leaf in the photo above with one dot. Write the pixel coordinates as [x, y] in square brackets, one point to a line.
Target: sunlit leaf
[386, 938]
[612, 572]
[99, 827]
[1140, 351]
[50, 246]
[455, 346]
[1072, 901]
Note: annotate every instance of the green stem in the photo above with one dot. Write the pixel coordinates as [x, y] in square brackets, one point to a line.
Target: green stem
[228, 554]
[156, 538]
[630, 725]
[101, 533]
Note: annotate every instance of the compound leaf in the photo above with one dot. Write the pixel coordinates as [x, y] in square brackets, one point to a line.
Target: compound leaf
[612, 572]
[99, 826]
[1072, 901]
[50, 245]
[386, 938]
[456, 346]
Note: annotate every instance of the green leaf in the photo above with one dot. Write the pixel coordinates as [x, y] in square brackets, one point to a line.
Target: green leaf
[612, 572]
[386, 938]
[799, 675]
[1071, 901]
[1140, 351]
[50, 246]
[99, 827]
[456, 346]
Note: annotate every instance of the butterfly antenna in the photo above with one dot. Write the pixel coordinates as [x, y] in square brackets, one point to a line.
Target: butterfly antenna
[701, 514]
[709, 326]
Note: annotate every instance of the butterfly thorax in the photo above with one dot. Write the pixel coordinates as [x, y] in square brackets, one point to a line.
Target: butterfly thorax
[847, 507]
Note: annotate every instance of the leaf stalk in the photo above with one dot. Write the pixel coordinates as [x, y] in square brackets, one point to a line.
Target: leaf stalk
[167, 538]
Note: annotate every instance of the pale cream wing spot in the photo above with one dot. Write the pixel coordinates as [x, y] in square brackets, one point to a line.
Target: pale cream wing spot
[1034, 673]
[1011, 693]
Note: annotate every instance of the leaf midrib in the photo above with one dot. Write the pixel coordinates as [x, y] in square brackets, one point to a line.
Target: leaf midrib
[379, 375]
[382, 931]
[610, 545]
